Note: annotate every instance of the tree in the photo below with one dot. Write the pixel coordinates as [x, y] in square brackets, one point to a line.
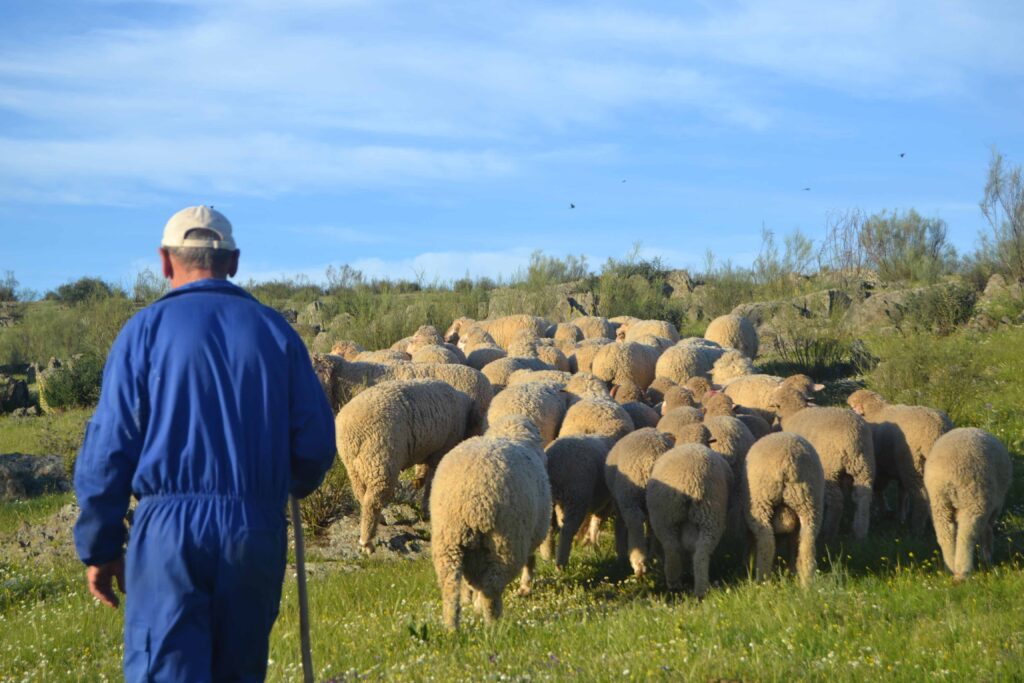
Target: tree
[9, 287]
[82, 289]
[1003, 208]
[907, 247]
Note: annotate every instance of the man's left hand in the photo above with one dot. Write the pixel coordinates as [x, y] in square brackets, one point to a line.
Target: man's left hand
[101, 581]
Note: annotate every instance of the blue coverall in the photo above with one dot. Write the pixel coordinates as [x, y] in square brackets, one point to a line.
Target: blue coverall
[210, 414]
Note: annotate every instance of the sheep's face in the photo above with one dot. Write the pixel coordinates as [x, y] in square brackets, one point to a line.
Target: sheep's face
[698, 386]
[716, 403]
[864, 402]
[786, 400]
[802, 383]
[452, 335]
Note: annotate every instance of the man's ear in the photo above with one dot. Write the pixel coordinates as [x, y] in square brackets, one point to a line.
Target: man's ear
[233, 264]
[165, 262]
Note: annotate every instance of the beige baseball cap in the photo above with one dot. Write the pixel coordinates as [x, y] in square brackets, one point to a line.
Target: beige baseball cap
[204, 217]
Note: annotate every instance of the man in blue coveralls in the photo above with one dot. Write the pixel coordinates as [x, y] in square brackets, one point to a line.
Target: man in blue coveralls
[210, 415]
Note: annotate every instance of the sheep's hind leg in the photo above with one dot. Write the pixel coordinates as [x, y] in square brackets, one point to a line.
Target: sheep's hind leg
[571, 523]
[833, 509]
[944, 520]
[970, 529]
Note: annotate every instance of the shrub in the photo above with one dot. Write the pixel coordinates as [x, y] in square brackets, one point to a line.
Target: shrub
[63, 438]
[9, 287]
[83, 289]
[907, 247]
[1003, 208]
[73, 385]
[332, 500]
[940, 309]
[821, 349]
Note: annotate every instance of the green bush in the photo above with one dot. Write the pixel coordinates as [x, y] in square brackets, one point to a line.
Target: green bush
[84, 289]
[824, 350]
[52, 330]
[940, 309]
[73, 385]
[331, 501]
[907, 247]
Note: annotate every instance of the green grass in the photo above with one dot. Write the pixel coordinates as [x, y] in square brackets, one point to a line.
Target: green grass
[50, 434]
[31, 511]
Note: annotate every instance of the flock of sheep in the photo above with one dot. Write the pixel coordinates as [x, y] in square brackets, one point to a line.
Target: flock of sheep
[525, 435]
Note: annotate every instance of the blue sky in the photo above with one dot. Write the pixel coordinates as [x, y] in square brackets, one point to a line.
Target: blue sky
[410, 138]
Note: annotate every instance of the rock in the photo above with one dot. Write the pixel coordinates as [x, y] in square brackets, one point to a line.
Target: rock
[26, 476]
[680, 284]
[45, 540]
[881, 309]
[13, 394]
[403, 536]
[290, 315]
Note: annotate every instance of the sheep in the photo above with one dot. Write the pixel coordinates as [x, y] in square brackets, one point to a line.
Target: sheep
[755, 391]
[594, 327]
[627, 392]
[498, 371]
[618, 321]
[347, 349]
[642, 414]
[342, 378]
[587, 385]
[656, 392]
[734, 331]
[688, 496]
[718, 404]
[387, 356]
[575, 466]
[676, 397]
[967, 475]
[903, 436]
[729, 366]
[698, 386]
[654, 341]
[393, 426]
[623, 361]
[784, 487]
[565, 333]
[437, 354]
[581, 358]
[683, 361]
[626, 472]
[477, 357]
[502, 330]
[425, 335]
[527, 376]
[490, 510]
[660, 328]
[543, 404]
[844, 443]
[554, 357]
[678, 418]
[601, 416]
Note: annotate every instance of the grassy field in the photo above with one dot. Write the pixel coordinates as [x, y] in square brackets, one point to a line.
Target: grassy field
[881, 608]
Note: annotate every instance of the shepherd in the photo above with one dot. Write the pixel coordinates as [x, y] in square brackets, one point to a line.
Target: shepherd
[210, 416]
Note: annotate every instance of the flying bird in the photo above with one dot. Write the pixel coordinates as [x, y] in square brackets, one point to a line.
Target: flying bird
[807, 189]
[571, 205]
[902, 154]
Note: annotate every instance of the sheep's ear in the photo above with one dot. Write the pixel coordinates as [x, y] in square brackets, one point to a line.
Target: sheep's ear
[715, 388]
[711, 441]
[614, 390]
[818, 387]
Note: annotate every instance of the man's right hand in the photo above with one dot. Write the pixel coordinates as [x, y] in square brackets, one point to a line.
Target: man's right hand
[101, 581]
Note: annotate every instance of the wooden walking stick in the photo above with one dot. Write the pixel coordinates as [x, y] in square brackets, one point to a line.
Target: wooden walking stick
[300, 568]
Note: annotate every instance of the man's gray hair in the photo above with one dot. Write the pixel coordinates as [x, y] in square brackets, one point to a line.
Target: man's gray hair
[216, 261]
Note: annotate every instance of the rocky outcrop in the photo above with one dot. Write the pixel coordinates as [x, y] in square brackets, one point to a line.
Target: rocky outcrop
[27, 476]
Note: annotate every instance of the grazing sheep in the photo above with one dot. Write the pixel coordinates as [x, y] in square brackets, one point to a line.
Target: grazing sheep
[341, 378]
[600, 416]
[678, 418]
[967, 475]
[502, 330]
[688, 496]
[347, 349]
[903, 436]
[490, 509]
[581, 358]
[627, 392]
[627, 470]
[716, 403]
[699, 387]
[676, 397]
[575, 467]
[437, 354]
[498, 371]
[594, 327]
[554, 357]
[566, 333]
[527, 376]
[734, 331]
[543, 404]
[755, 391]
[587, 385]
[642, 414]
[844, 443]
[731, 439]
[654, 341]
[656, 392]
[686, 360]
[729, 366]
[477, 357]
[626, 361]
[387, 356]
[425, 335]
[659, 328]
[785, 487]
[391, 427]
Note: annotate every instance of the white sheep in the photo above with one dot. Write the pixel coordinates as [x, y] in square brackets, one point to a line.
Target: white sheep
[626, 361]
[688, 496]
[686, 360]
[594, 327]
[903, 436]
[541, 403]
[967, 476]
[729, 366]
[734, 331]
[844, 443]
[630, 331]
[581, 357]
[599, 416]
[490, 511]
[755, 391]
[497, 372]
[575, 466]
[784, 486]
[391, 427]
